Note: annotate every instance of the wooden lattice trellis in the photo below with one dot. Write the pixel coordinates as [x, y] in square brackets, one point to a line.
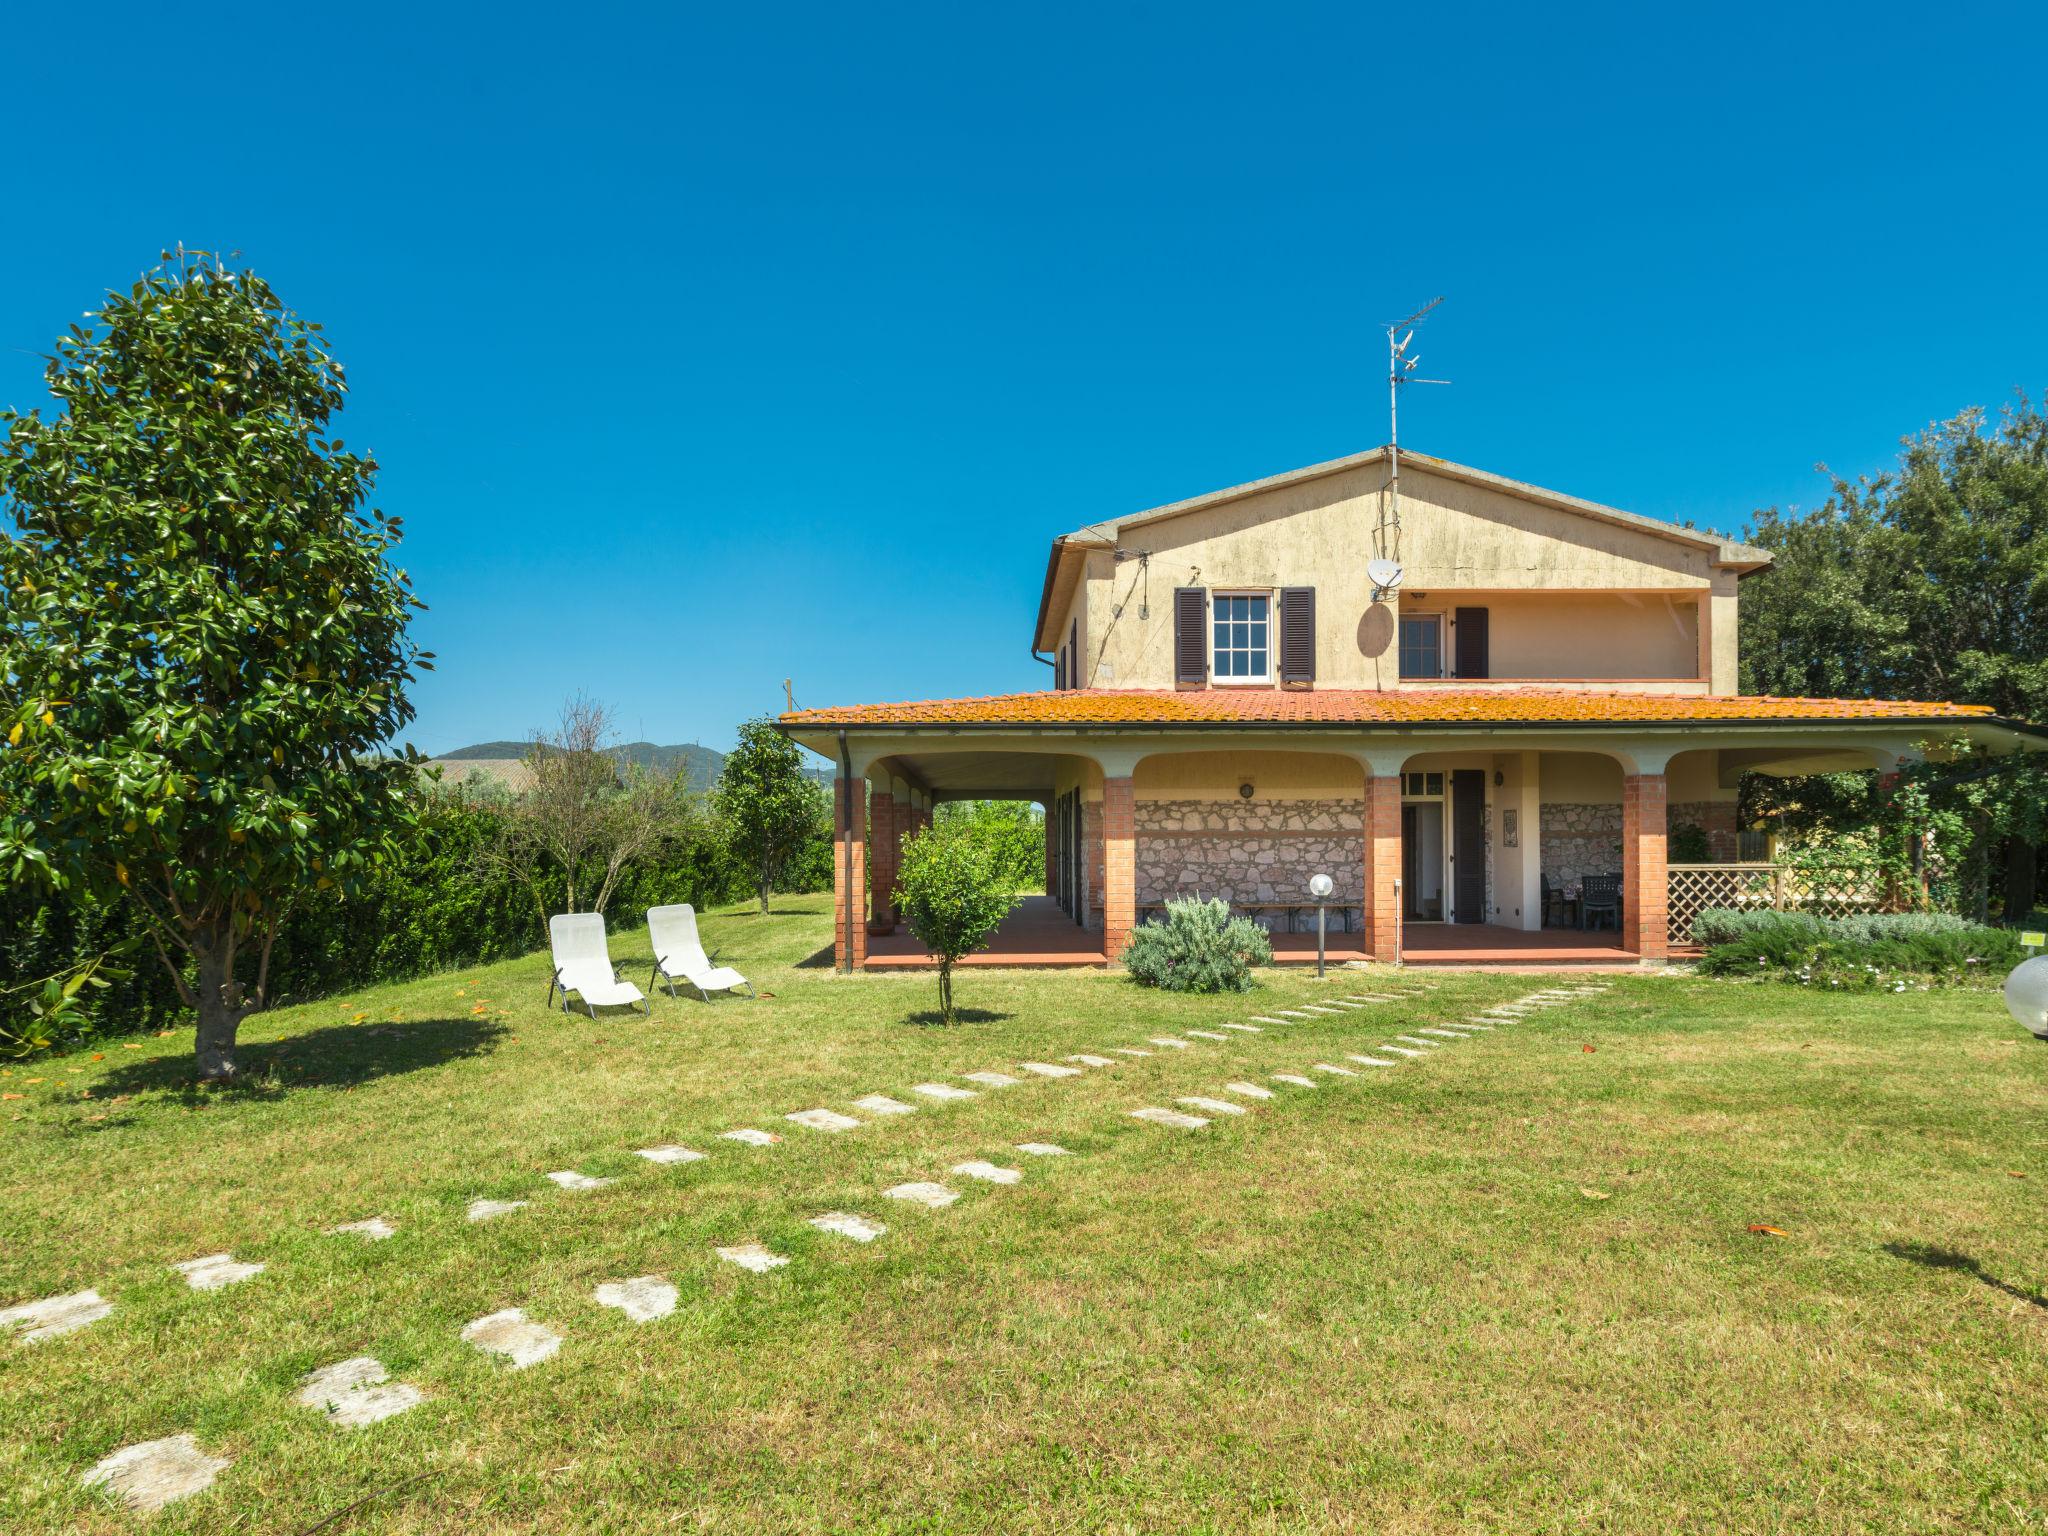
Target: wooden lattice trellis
[1826, 892]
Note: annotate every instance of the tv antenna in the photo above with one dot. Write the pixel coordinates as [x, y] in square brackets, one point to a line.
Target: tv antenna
[1384, 568]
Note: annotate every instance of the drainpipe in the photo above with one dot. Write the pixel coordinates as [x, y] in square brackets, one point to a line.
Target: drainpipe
[1043, 661]
[846, 851]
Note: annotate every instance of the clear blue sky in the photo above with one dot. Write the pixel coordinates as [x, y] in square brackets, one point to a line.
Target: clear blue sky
[702, 349]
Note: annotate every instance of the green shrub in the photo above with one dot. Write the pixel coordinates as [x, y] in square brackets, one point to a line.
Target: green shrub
[952, 891]
[1725, 925]
[1729, 925]
[1835, 953]
[1199, 948]
[1689, 844]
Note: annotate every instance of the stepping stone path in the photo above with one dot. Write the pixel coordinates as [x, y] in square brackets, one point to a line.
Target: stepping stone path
[511, 1335]
[1319, 1008]
[1047, 1069]
[1042, 1149]
[1130, 1050]
[1087, 1060]
[750, 1136]
[1245, 1029]
[1448, 1034]
[215, 1271]
[670, 1155]
[1264, 1020]
[1171, 1043]
[1172, 1117]
[356, 1392]
[54, 1315]
[373, 1229]
[1214, 1106]
[484, 1210]
[1288, 1013]
[752, 1256]
[859, 1228]
[1475, 1024]
[1295, 1078]
[1400, 1050]
[824, 1120]
[1207, 1034]
[1324, 1066]
[148, 1476]
[1371, 1061]
[989, 1172]
[1345, 1002]
[992, 1079]
[1250, 1090]
[569, 1178]
[936, 1196]
[643, 1298]
[941, 1091]
[882, 1104]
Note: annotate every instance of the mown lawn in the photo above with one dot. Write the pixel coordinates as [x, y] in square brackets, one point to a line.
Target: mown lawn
[1509, 1287]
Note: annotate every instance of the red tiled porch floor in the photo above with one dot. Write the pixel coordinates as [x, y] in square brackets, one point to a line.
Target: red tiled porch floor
[1492, 944]
[1036, 933]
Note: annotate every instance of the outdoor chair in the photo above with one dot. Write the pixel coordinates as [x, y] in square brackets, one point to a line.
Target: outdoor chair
[1553, 902]
[583, 965]
[1600, 901]
[679, 954]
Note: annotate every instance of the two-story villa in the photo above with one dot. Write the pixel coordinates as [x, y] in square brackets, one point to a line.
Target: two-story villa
[1547, 690]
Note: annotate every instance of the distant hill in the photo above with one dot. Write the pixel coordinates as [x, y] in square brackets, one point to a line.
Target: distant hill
[502, 760]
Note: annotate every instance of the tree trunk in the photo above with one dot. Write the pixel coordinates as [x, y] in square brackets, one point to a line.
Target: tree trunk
[2021, 878]
[761, 887]
[945, 992]
[220, 1009]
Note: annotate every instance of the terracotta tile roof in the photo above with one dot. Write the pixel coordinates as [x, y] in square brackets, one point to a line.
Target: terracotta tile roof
[1358, 706]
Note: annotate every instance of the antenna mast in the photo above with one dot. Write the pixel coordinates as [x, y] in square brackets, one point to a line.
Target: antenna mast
[1400, 370]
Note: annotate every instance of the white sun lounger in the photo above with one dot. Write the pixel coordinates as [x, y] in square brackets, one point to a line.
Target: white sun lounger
[583, 965]
[679, 954]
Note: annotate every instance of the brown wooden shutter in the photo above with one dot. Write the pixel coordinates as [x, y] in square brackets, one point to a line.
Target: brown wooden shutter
[1297, 634]
[1059, 669]
[1074, 668]
[1190, 636]
[1471, 658]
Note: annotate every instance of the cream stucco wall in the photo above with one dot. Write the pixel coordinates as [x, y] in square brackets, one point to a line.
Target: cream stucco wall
[1555, 576]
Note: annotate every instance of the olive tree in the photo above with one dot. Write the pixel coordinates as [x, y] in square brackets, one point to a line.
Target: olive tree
[202, 638]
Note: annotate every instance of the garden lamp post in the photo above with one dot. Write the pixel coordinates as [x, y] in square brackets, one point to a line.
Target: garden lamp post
[1320, 886]
[2026, 995]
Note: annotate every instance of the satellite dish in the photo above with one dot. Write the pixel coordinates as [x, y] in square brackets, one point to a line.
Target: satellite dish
[1385, 575]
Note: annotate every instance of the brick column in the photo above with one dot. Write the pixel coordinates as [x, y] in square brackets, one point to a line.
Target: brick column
[849, 873]
[1644, 886]
[1383, 867]
[1119, 865]
[885, 833]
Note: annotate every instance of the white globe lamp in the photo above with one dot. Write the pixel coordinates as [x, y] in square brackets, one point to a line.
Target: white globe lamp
[2026, 995]
[1320, 887]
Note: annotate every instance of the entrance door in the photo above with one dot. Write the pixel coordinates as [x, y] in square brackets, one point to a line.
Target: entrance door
[1468, 845]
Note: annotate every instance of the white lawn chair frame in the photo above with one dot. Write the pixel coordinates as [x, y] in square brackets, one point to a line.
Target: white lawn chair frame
[583, 965]
[679, 954]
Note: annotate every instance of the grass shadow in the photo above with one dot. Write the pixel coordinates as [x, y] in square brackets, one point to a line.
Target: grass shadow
[931, 1018]
[1930, 1257]
[339, 1056]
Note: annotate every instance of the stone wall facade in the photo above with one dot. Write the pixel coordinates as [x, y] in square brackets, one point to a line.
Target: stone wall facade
[1580, 840]
[1250, 852]
[1714, 817]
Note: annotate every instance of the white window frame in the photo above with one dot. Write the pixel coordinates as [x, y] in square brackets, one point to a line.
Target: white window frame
[1442, 640]
[1217, 599]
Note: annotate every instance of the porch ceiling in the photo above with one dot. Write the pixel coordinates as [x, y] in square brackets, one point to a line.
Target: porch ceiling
[983, 775]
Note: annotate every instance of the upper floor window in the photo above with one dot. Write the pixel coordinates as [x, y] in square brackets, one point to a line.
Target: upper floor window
[1241, 624]
[1422, 645]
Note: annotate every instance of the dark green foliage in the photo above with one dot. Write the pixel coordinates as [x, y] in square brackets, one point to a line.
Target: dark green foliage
[772, 809]
[1199, 948]
[1688, 844]
[1012, 830]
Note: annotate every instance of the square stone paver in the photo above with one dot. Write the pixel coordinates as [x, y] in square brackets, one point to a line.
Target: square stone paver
[752, 1256]
[1249, 1091]
[643, 1298]
[1369, 1061]
[941, 1091]
[1245, 1029]
[484, 1210]
[1172, 1117]
[513, 1337]
[989, 1173]
[824, 1120]
[1171, 1044]
[750, 1136]
[1475, 1024]
[1214, 1106]
[1042, 1149]
[1048, 1069]
[1400, 1050]
[1264, 1020]
[1205, 1034]
[569, 1178]
[1088, 1060]
[1324, 1066]
[936, 1196]
[1448, 1034]
[1322, 1008]
[992, 1079]
[882, 1104]
[372, 1229]
[216, 1270]
[1295, 1078]
[859, 1228]
[1289, 1013]
[1129, 1050]
[356, 1392]
[1418, 1042]
[670, 1154]
[152, 1474]
[54, 1315]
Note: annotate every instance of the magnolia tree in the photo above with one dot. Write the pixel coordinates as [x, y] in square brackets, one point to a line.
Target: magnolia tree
[952, 891]
[202, 638]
